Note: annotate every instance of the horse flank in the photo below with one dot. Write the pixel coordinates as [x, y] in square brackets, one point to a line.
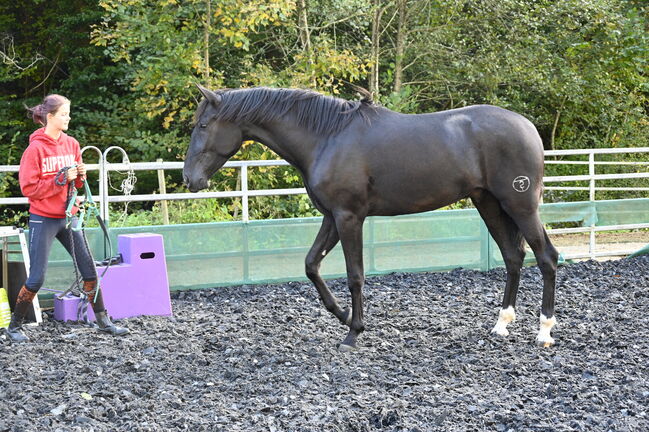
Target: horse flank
[323, 115]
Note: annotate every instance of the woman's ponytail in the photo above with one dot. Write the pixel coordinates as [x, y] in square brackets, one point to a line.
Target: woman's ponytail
[38, 114]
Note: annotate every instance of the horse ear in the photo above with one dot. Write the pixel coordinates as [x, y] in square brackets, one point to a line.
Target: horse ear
[211, 96]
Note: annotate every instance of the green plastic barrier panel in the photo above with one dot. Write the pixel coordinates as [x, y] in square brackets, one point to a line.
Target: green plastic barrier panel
[232, 253]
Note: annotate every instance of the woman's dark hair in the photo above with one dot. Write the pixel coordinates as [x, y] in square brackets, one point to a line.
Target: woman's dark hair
[50, 105]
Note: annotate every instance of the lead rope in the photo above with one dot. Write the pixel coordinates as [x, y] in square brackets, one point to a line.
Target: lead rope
[61, 179]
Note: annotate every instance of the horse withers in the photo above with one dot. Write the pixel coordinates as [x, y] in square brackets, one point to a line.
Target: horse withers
[358, 159]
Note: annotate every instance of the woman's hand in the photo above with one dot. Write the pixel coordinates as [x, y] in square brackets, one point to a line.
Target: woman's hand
[73, 173]
[81, 170]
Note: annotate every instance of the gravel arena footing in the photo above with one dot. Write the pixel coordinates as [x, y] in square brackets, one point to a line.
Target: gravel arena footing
[264, 358]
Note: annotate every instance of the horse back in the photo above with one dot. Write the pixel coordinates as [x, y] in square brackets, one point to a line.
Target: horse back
[400, 163]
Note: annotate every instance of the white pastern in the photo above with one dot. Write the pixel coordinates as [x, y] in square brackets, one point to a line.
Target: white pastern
[544, 339]
[504, 317]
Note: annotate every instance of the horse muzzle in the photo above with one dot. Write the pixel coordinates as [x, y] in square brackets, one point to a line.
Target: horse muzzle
[196, 185]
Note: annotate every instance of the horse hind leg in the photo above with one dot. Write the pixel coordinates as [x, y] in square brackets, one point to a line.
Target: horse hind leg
[510, 242]
[325, 241]
[546, 258]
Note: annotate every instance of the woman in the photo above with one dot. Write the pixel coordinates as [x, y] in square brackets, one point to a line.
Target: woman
[51, 152]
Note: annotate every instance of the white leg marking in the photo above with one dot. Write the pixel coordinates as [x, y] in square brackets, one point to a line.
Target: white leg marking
[504, 317]
[324, 253]
[544, 337]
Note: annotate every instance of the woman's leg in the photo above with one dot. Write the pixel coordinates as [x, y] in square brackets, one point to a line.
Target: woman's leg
[74, 242]
[42, 231]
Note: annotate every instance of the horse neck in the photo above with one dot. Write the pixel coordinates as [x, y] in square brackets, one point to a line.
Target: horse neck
[294, 144]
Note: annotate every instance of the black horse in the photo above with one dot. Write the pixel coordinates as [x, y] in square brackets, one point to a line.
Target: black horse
[358, 159]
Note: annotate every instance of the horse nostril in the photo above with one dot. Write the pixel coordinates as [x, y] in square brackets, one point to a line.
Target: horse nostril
[185, 180]
[203, 182]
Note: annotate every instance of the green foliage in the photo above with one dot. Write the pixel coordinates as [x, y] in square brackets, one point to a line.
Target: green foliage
[401, 101]
[180, 212]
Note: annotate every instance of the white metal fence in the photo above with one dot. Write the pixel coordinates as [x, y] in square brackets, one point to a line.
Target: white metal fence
[592, 177]
[245, 193]
[105, 198]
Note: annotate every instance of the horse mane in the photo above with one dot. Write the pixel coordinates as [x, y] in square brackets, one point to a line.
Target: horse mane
[323, 115]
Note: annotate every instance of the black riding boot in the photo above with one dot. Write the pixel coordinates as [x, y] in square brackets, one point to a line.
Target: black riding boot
[101, 316]
[105, 325]
[23, 302]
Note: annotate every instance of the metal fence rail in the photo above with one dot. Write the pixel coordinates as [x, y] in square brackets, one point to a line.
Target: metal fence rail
[592, 177]
[104, 167]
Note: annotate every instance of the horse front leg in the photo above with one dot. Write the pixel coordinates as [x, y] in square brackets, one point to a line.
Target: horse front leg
[350, 230]
[325, 241]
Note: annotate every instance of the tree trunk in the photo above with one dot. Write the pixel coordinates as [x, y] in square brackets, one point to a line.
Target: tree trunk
[376, 47]
[305, 36]
[303, 21]
[554, 129]
[208, 25]
[402, 12]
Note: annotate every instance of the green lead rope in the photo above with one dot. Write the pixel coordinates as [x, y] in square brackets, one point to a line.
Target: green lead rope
[87, 208]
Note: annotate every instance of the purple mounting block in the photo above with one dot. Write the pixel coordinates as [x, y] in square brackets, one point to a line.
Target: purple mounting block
[138, 286]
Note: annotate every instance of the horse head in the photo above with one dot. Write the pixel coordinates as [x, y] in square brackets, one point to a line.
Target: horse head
[212, 143]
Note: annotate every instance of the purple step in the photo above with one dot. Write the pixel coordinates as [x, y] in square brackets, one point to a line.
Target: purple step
[138, 286]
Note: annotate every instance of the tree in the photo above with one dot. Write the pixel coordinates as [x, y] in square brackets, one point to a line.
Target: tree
[577, 69]
[45, 49]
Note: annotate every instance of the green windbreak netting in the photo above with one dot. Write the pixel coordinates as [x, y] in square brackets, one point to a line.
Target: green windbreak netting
[230, 253]
[620, 212]
[583, 212]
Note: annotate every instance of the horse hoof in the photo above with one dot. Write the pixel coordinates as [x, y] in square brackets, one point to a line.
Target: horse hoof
[543, 338]
[346, 348]
[500, 331]
[544, 342]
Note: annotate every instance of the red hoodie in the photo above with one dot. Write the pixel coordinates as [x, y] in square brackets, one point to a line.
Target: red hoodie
[42, 159]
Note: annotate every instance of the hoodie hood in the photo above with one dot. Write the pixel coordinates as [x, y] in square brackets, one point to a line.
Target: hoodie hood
[39, 135]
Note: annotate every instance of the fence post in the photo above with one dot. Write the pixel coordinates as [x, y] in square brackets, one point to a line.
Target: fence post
[591, 196]
[245, 219]
[486, 261]
[591, 173]
[245, 238]
[244, 190]
[162, 185]
[370, 244]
